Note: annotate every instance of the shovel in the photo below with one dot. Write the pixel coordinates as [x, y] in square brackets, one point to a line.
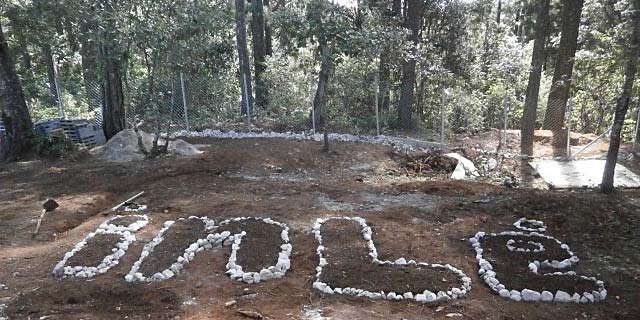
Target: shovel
[47, 206]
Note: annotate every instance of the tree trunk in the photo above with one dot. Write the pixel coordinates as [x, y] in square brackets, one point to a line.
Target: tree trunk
[113, 104]
[533, 87]
[113, 110]
[259, 52]
[384, 68]
[243, 57]
[561, 85]
[319, 101]
[622, 105]
[51, 74]
[14, 113]
[499, 13]
[22, 45]
[268, 40]
[405, 107]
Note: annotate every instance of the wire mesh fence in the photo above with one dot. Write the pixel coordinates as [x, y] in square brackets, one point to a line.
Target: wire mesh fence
[194, 101]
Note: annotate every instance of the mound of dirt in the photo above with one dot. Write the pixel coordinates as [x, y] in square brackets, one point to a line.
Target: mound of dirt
[123, 147]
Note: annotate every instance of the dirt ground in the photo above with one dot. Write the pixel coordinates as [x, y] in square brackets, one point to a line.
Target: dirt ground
[294, 183]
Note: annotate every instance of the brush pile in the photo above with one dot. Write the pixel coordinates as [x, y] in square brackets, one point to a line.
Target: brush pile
[425, 164]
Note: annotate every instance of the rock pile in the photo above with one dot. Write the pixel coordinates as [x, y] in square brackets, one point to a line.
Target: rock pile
[123, 147]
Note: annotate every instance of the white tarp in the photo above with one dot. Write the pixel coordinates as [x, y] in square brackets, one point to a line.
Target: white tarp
[582, 174]
[464, 169]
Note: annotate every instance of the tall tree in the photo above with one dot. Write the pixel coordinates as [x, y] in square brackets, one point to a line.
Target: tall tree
[259, 52]
[533, 87]
[384, 67]
[113, 109]
[13, 108]
[243, 57]
[51, 73]
[622, 104]
[407, 86]
[268, 37]
[562, 74]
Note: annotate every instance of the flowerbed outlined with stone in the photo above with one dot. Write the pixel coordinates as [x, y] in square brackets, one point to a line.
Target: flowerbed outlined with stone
[520, 260]
[118, 227]
[423, 271]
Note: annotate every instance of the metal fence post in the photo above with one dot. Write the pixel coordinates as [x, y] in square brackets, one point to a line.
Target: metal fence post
[246, 99]
[57, 83]
[377, 104]
[569, 111]
[184, 102]
[505, 115]
[443, 101]
[635, 132]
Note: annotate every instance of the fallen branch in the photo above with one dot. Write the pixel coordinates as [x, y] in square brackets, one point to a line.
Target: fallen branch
[126, 201]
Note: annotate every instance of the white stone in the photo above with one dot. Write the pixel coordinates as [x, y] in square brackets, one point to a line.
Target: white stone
[167, 274]
[589, 297]
[546, 296]
[515, 295]
[562, 296]
[530, 295]
[504, 293]
[430, 296]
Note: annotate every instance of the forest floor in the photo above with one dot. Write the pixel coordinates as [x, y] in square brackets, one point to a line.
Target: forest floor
[294, 183]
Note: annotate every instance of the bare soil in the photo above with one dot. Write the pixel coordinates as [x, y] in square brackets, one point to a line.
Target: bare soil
[260, 247]
[350, 265]
[176, 240]
[95, 250]
[287, 181]
[512, 267]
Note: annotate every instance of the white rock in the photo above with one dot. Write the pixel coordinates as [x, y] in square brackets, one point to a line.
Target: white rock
[408, 295]
[442, 296]
[421, 298]
[265, 274]
[504, 293]
[515, 295]
[530, 295]
[546, 296]
[401, 261]
[562, 296]
[430, 296]
[167, 274]
[589, 297]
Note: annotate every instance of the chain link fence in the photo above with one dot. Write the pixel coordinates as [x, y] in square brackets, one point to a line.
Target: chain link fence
[195, 101]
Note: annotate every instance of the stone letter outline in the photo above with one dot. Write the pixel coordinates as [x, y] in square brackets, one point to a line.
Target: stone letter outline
[424, 297]
[212, 240]
[533, 246]
[109, 227]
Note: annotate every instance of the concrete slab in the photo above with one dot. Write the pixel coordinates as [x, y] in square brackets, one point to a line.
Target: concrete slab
[582, 174]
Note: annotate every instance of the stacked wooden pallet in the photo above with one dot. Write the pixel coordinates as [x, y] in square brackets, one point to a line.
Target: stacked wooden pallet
[80, 132]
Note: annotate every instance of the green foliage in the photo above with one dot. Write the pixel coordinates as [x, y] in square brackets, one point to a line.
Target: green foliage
[54, 146]
[463, 51]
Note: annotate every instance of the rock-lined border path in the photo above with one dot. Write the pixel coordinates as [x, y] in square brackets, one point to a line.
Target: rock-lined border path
[489, 276]
[424, 297]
